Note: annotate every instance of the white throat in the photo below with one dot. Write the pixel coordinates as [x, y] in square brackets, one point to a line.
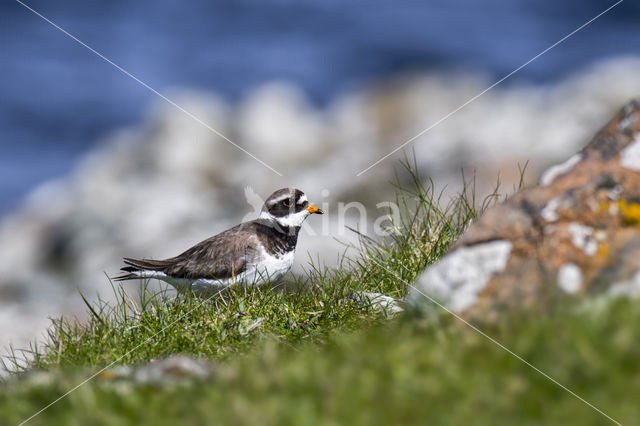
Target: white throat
[292, 219]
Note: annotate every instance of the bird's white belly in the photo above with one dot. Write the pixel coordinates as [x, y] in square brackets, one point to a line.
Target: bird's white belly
[269, 268]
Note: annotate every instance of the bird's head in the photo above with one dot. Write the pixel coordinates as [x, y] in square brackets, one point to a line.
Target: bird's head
[289, 207]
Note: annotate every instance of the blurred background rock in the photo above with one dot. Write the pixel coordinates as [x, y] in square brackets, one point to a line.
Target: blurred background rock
[94, 166]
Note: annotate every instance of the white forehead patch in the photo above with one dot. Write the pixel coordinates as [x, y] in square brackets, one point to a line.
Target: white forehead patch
[302, 199]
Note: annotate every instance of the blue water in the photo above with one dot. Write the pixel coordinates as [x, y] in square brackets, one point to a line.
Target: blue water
[58, 100]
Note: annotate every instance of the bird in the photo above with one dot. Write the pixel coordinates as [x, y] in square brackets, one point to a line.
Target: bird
[251, 253]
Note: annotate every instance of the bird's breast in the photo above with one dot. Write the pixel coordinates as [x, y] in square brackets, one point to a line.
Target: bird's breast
[274, 265]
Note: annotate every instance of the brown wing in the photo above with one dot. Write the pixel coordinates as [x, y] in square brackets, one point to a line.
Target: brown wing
[220, 256]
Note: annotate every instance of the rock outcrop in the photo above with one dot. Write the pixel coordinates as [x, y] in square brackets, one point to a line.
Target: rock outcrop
[577, 232]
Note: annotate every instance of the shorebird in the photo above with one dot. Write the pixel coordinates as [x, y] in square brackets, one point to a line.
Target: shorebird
[252, 253]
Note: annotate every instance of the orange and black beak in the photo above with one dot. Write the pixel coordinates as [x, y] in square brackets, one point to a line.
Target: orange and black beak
[313, 209]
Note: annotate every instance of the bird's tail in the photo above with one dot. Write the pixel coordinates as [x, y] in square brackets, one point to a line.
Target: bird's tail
[124, 277]
[136, 266]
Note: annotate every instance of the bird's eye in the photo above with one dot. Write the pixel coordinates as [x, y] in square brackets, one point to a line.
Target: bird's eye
[286, 203]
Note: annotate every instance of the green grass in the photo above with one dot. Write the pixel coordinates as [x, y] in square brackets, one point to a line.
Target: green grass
[132, 331]
[316, 356]
[407, 371]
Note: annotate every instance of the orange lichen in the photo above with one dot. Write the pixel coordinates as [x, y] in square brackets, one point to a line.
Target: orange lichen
[607, 208]
[630, 213]
[603, 251]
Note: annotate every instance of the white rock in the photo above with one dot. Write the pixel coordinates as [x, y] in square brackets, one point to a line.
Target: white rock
[584, 237]
[626, 288]
[559, 169]
[168, 370]
[569, 278]
[279, 126]
[377, 302]
[549, 213]
[630, 155]
[458, 278]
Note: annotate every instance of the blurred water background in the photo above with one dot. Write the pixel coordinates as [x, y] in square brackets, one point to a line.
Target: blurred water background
[93, 166]
[58, 100]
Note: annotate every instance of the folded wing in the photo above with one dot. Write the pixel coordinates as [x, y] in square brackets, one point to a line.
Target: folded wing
[219, 257]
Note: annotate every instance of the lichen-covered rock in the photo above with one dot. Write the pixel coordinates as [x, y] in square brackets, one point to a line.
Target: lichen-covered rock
[577, 232]
[376, 302]
[171, 370]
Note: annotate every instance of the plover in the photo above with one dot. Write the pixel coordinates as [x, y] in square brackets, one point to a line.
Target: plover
[250, 253]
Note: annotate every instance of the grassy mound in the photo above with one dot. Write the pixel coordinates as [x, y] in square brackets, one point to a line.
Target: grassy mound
[319, 355]
[137, 331]
[406, 371]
